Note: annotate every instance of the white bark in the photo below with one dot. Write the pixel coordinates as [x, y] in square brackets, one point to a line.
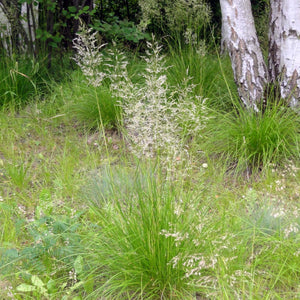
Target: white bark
[275, 29]
[240, 38]
[290, 52]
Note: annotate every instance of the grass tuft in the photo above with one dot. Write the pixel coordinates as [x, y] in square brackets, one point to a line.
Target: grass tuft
[90, 105]
[250, 141]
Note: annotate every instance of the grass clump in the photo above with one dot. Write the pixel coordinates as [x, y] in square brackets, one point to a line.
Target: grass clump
[90, 106]
[154, 240]
[92, 103]
[249, 141]
[18, 81]
[130, 257]
[24, 79]
[211, 77]
[158, 117]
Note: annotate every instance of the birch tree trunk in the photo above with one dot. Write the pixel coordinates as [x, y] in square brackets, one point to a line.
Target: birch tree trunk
[290, 52]
[275, 24]
[240, 38]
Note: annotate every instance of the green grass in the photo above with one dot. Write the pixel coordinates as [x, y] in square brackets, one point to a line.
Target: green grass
[89, 105]
[82, 218]
[23, 79]
[131, 241]
[211, 76]
[250, 141]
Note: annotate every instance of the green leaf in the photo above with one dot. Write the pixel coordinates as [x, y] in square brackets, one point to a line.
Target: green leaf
[11, 253]
[57, 39]
[78, 264]
[37, 281]
[72, 9]
[89, 285]
[43, 291]
[51, 286]
[25, 288]
[53, 45]
[76, 286]
[45, 194]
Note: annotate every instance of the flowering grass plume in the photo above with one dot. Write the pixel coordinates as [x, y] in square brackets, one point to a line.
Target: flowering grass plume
[208, 249]
[88, 55]
[158, 117]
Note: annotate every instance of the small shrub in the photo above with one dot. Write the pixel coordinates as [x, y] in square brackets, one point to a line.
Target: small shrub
[175, 17]
[123, 31]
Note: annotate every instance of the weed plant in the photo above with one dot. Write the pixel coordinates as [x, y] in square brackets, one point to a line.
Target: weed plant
[50, 252]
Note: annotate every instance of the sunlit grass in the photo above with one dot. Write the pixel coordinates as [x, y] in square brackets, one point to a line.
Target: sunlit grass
[80, 216]
[250, 141]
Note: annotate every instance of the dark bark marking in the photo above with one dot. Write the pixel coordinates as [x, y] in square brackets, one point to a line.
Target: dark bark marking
[293, 32]
[229, 21]
[234, 35]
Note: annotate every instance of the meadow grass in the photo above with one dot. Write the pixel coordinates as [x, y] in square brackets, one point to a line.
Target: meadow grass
[83, 218]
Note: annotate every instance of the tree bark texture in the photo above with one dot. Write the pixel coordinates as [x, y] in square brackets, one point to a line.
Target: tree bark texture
[19, 36]
[275, 24]
[290, 52]
[240, 38]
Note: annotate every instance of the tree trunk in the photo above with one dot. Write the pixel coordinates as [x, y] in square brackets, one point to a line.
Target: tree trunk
[19, 37]
[239, 37]
[275, 24]
[290, 52]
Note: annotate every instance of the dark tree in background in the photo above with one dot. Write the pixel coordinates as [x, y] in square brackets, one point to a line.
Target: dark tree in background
[54, 27]
[58, 20]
